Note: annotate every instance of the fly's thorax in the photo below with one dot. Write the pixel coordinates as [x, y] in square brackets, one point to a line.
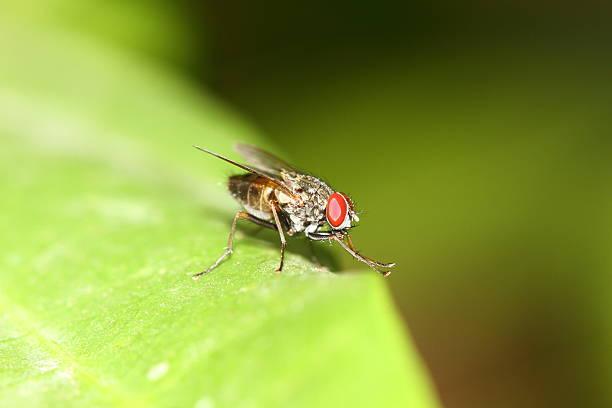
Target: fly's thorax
[309, 212]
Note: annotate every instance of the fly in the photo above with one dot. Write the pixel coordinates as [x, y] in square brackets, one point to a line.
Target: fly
[275, 195]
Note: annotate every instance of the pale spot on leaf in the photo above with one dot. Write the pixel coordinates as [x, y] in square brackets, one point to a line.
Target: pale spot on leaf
[47, 365]
[204, 402]
[157, 371]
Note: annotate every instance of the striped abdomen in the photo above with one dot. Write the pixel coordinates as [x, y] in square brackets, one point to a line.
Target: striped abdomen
[253, 193]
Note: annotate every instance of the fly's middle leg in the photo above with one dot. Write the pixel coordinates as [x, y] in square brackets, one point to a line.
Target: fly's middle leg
[282, 236]
[313, 255]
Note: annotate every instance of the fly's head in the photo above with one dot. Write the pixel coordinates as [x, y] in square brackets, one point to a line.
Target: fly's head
[340, 213]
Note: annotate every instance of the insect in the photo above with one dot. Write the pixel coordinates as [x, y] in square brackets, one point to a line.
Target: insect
[277, 196]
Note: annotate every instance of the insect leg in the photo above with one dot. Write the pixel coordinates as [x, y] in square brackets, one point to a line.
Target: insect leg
[282, 236]
[313, 255]
[261, 222]
[230, 243]
[370, 262]
[320, 236]
[384, 265]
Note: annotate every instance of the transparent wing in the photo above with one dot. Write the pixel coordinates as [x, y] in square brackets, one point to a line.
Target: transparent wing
[276, 181]
[261, 160]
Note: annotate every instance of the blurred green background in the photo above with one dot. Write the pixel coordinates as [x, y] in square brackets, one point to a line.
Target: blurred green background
[474, 136]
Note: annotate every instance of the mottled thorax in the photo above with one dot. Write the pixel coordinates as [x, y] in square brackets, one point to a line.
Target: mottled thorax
[310, 212]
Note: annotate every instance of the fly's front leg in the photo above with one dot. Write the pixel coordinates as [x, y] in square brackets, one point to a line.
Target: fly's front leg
[281, 234]
[370, 262]
[230, 242]
[381, 264]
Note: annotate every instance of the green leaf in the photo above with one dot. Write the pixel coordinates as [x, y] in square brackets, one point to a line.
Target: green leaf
[108, 211]
[150, 27]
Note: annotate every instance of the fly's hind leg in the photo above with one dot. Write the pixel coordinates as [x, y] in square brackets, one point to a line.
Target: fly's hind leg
[230, 242]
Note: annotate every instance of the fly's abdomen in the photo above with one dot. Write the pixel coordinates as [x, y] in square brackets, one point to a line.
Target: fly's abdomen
[252, 192]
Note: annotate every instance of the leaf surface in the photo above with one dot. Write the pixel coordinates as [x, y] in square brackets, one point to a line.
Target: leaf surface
[108, 211]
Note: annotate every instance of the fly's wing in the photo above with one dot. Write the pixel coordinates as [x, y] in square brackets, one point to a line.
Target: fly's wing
[264, 161]
[276, 181]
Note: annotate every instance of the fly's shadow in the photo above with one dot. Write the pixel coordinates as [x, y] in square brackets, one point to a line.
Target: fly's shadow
[320, 254]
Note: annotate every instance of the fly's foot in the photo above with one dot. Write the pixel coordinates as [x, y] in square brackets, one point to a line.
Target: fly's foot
[227, 252]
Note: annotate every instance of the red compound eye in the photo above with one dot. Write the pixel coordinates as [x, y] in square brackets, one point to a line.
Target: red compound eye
[336, 209]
